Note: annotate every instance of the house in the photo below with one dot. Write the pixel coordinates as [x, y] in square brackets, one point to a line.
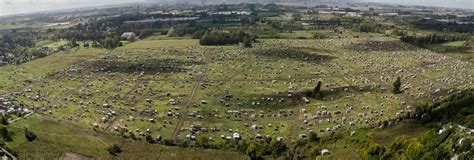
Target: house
[128, 35]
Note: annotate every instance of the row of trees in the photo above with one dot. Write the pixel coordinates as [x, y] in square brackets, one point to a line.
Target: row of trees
[226, 38]
[426, 147]
[456, 108]
[431, 24]
[371, 28]
[434, 38]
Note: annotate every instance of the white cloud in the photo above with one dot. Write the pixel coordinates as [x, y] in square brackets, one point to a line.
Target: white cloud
[25, 6]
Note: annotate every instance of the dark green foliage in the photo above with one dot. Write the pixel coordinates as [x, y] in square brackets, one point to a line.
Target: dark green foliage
[434, 38]
[375, 150]
[258, 149]
[296, 16]
[457, 108]
[6, 135]
[433, 140]
[432, 144]
[253, 152]
[316, 92]
[30, 136]
[466, 145]
[277, 148]
[36, 53]
[72, 43]
[184, 29]
[168, 142]
[111, 42]
[247, 42]
[313, 137]
[4, 120]
[149, 139]
[226, 38]
[203, 141]
[396, 86]
[431, 24]
[114, 149]
[86, 45]
[370, 28]
[133, 136]
[440, 154]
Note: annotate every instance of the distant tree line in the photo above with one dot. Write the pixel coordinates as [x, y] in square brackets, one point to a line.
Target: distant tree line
[226, 38]
[371, 28]
[431, 24]
[434, 38]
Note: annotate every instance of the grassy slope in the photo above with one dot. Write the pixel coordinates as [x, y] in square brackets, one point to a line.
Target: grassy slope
[13, 75]
[61, 137]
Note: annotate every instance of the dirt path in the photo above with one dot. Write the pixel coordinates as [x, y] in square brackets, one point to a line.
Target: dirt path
[293, 125]
[190, 102]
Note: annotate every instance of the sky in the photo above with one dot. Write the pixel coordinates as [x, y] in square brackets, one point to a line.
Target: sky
[8, 7]
[466, 4]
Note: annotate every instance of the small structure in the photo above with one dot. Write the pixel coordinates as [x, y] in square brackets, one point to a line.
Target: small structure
[128, 35]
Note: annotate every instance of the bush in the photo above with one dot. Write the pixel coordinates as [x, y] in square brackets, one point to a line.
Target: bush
[4, 120]
[114, 149]
[30, 136]
[226, 38]
[6, 135]
[168, 142]
[149, 139]
[313, 137]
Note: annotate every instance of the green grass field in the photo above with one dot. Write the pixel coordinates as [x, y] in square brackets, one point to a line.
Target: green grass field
[86, 96]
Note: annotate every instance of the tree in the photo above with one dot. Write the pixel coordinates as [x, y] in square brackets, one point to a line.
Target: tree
[247, 42]
[133, 136]
[317, 89]
[132, 38]
[86, 45]
[396, 86]
[277, 147]
[313, 137]
[73, 43]
[114, 149]
[203, 141]
[296, 17]
[6, 135]
[4, 120]
[253, 152]
[149, 139]
[30, 136]
[36, 53]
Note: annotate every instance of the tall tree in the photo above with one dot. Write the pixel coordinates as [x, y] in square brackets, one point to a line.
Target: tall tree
[317, 90]
[396, 86]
